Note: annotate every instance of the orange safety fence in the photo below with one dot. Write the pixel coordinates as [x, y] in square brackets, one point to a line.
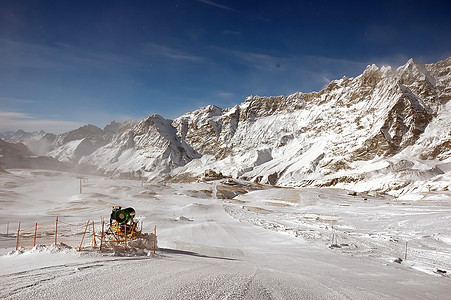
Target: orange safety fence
[87, 235]
[57, 233]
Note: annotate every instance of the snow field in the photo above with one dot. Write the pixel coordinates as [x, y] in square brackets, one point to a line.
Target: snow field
[266, 244]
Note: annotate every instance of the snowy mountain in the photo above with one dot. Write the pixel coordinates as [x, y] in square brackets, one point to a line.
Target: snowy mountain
[71, 146]
[150, 148]
[30, 139]
[355, 131]
[17, 155]
[387, 130]
[20, 135]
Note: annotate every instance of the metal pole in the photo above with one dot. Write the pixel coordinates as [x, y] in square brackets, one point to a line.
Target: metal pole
[35, 232]
[56, 230]
[18, 234]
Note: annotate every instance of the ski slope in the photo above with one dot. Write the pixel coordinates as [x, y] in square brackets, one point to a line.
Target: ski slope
[265, 244]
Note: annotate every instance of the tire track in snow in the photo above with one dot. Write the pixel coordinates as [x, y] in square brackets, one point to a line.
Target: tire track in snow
[20, 282]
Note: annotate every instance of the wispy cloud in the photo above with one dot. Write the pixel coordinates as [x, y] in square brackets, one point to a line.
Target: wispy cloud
[255, 60]
[218, 5]
[18, 120]
[171, 52]
[261, 60]
[15, 101]
[8, 115]
[56, 56]
[290, 72]
[232, 33]
[228, 8]
[223, 94]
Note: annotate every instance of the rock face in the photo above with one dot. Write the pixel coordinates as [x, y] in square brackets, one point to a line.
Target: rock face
[379, 131]
[338, 136]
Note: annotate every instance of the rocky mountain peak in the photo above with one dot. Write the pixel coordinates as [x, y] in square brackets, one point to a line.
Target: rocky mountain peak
[80, 133]
[345, 135]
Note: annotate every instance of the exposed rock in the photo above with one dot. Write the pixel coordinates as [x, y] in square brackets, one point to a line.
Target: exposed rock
[212, 175]
[384, 121]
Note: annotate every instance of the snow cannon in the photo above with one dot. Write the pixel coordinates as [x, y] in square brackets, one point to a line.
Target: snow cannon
[125, 231]
[122, 215]
[122, 224]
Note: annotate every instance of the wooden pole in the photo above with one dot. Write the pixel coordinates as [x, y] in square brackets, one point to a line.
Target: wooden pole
[80, 185]
[83, 237]
[35, 232]
[18, 234]
[125, 226]
[94, 234]
[56, 230]
[7, 229]
[103, 233]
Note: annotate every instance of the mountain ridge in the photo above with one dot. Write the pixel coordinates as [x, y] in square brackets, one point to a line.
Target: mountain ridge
[345, 135]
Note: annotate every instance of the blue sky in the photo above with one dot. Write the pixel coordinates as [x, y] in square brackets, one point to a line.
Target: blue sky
[64, 64]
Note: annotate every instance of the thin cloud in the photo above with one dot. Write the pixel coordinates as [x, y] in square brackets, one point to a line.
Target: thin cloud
[59, 56]
[218, 5]
[8, 100]
[16, 120]
[226, 95]
[171, 52]
[255, 60]
[211, 3]
[291, 72]
[8, 115]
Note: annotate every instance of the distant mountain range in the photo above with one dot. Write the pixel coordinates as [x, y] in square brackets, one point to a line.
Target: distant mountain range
[20, 135]
[387, 130]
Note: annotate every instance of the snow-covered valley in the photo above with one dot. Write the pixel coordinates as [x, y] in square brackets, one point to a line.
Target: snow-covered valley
[228, 239]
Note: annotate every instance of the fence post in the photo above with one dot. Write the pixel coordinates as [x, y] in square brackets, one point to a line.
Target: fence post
[94, 235]
[83, 237]
[125, 238]
[35, 233]
[56, 230]
[18, 234]
[101, 237]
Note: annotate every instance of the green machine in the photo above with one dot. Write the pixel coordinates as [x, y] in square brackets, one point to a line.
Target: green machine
[122, 215]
